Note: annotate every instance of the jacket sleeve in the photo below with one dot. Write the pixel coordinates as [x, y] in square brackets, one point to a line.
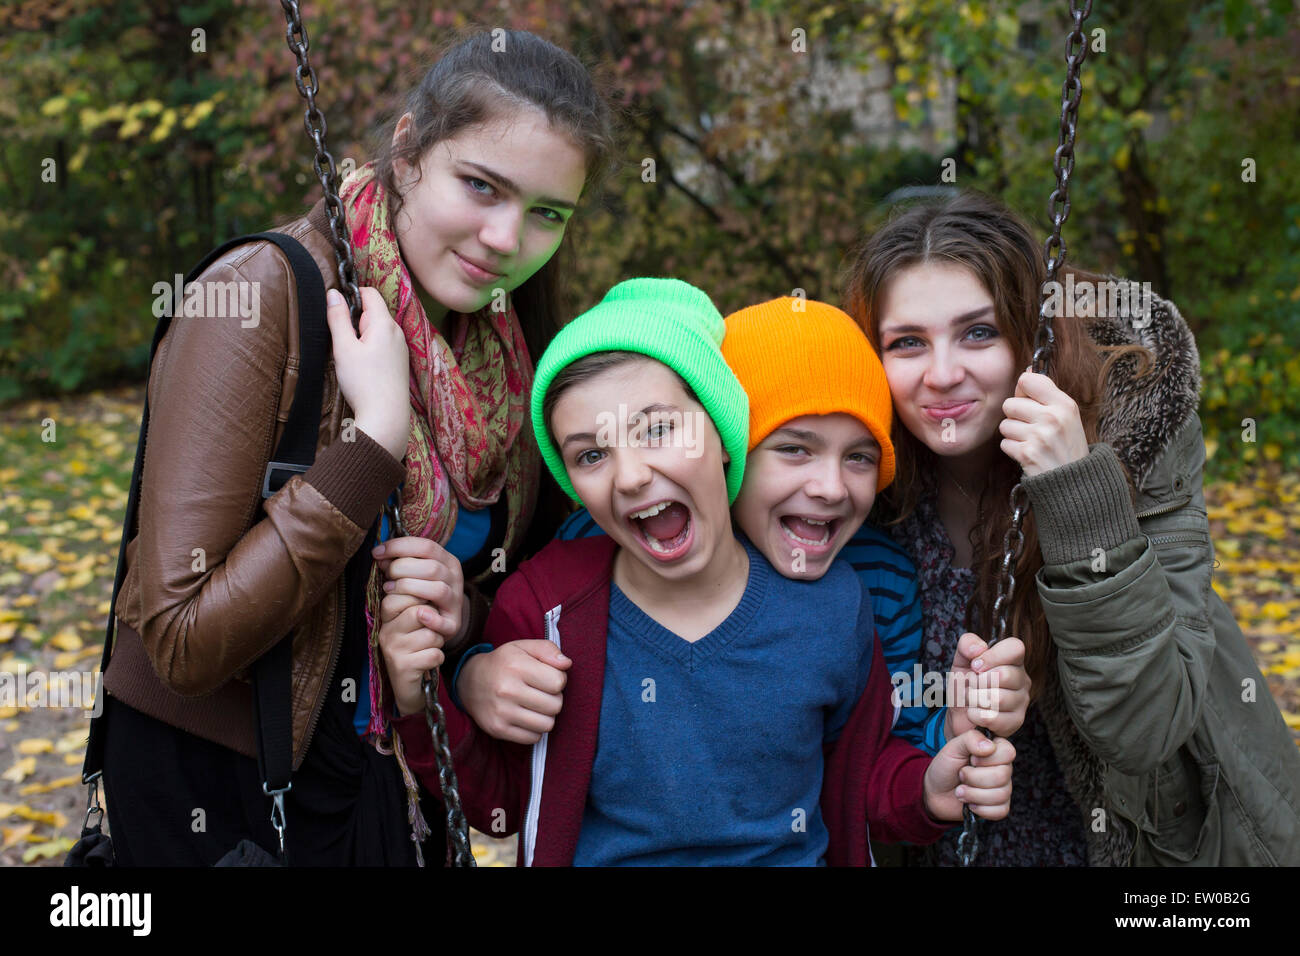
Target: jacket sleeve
[215, 593]
[493, 774]
[874, 779]
[1127, 601]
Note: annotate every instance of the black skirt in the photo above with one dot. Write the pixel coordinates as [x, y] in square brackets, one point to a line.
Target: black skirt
[173, 799]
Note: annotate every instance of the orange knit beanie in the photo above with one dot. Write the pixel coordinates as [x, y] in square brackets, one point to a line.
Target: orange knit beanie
[800, 357]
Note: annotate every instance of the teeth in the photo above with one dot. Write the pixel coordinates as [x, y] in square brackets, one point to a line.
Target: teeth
[652, 510]
[825, 537]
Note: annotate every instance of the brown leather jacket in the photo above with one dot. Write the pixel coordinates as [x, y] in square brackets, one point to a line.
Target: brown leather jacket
[211, 585]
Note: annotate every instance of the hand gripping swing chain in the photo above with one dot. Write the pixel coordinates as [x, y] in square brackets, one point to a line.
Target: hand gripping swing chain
[1058, 209]
[314, 120]
[457, 826]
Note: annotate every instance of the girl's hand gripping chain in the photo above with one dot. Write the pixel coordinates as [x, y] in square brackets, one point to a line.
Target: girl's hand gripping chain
[371, 368]
[423, 610]
[994, 684]
[1042, 429]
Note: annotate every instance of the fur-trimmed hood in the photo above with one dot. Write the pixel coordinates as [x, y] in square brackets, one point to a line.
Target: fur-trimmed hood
[1141, 414]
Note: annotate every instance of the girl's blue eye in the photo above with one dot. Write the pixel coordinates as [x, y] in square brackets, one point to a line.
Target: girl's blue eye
[582, 458]
[904, 342]
[474, 183]
[992, 332]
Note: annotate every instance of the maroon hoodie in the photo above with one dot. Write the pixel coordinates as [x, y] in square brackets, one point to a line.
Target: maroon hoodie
[871, 775]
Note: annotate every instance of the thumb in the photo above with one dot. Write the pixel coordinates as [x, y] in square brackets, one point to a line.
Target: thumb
[969, 647]
[338, 317]
[547, 653]
[972, 743]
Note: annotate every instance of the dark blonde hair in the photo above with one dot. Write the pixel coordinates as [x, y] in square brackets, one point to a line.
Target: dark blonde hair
[978, 233]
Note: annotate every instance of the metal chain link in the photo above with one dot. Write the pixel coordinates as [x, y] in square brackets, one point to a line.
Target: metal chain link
[1058, 210]
[305, 79]
[314, 121]
[457, 826]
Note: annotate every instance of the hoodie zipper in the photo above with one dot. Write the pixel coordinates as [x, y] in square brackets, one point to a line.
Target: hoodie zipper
[537, 765]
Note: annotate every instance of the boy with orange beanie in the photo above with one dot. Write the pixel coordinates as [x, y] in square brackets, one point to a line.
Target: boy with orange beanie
[819, 452]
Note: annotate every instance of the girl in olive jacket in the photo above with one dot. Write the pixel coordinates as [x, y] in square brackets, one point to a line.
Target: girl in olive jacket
[1152, 738]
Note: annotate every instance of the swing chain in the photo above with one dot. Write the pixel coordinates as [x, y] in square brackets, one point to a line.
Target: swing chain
[1058, 210]
[457, 826]
[314, 120]
[305, 79]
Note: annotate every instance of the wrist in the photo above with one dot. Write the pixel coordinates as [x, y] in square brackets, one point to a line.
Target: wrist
[1081, 506]
[930, 800]
[407, 707]
[391, 438]
[469, 655]
[927, 794]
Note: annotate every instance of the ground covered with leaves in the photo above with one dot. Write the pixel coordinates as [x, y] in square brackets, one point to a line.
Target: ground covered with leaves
[60, 521]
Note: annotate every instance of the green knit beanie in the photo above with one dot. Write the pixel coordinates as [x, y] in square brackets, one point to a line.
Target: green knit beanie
[667, 320]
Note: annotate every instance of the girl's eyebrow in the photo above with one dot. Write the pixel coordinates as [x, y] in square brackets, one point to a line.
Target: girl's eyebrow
[514, 188]
[957, 320]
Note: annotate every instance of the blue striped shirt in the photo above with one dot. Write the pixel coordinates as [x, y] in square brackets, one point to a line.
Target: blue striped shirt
[890, 577]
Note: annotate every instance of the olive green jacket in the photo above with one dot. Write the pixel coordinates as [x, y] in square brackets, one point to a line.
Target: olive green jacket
[1166, 731]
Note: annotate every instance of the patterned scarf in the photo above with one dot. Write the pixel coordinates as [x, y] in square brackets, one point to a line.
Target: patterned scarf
[471, 435]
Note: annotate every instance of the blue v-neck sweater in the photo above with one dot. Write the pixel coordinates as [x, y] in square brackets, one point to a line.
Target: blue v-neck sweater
[722, 738]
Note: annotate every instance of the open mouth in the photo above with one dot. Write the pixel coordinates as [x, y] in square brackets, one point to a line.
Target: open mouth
[810, 533]
[665, 529]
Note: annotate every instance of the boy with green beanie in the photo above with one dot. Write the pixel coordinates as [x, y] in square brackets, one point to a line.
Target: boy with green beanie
[713, 710]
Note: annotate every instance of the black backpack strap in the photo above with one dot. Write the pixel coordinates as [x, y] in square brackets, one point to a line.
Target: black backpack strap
[294, 454]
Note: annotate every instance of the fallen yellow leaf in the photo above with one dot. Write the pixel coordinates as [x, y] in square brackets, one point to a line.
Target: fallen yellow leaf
[34, 562]
[21, 770]
[12, 835]
[73, 740]
[32, 788]
[66, 640]
[45, 851]
[35, 745]
[52, 817]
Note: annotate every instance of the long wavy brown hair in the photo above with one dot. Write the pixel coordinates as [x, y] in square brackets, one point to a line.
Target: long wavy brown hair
[976, 231]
